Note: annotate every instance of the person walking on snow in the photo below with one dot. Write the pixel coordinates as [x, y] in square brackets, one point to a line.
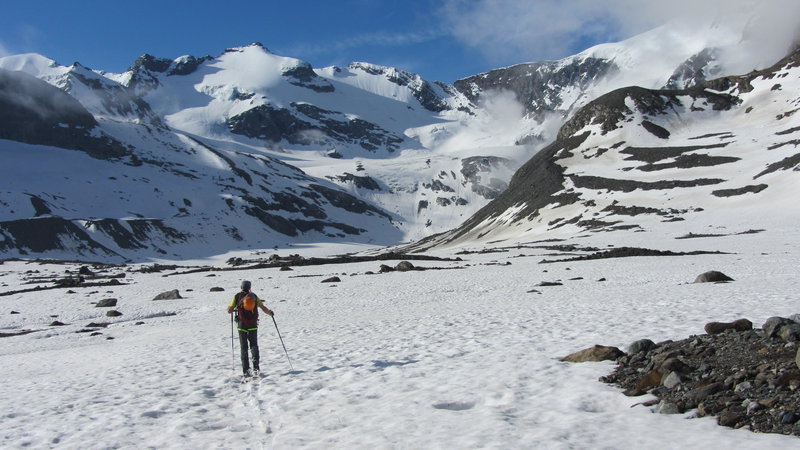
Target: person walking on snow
[246, 305]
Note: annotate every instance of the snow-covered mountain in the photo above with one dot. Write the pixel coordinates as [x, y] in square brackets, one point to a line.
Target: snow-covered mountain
[721, 156]
[200, 156]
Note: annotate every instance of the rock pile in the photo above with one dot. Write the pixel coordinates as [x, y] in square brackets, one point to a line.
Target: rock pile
[747, 378]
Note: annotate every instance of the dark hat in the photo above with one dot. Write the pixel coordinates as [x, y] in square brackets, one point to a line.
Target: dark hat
[245, 285]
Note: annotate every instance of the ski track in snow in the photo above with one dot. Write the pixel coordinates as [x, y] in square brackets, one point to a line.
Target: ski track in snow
[461, 358]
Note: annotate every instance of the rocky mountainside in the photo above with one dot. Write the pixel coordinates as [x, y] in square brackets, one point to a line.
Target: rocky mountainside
[718, 154]
[203, 155]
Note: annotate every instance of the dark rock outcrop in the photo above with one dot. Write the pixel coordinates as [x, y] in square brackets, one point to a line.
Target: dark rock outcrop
[712, 276]
[595, 353]
[747, 378]
[34, 112]
[106, 303]
[736, 325]
[169, 295]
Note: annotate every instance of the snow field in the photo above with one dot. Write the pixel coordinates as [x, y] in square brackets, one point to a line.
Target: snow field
[459, 358]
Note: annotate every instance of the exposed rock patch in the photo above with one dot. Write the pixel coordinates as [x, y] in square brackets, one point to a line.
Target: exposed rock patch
[747, 378]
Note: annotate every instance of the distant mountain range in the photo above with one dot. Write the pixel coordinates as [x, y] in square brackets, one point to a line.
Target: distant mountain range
[722, 155]
[194, 157]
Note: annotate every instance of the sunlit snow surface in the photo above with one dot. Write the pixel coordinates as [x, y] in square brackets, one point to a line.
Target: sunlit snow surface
[460, 358]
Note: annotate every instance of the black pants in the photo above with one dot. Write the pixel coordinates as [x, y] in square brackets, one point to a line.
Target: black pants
[249, 339]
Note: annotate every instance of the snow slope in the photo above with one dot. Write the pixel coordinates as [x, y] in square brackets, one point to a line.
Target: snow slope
[463, 357]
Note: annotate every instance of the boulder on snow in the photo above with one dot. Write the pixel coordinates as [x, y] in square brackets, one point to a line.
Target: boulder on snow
[217, 289]
[712, 277]
[113, 313]
[384, 268]
[106, 303]
[332, 280]
[595, 353]
[736, 325]
[404, 266]
[169, 295]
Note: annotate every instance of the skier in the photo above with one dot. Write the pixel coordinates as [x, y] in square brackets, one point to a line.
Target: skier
[246, 305]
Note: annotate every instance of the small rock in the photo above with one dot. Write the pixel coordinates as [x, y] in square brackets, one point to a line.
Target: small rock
[796, 357]
[729, 419]
[217, 289]
[642, 345]
[790, 332]
[595, 353]
[285, 268]
[737, 325]
[549, 283]
[84, 270]
[650, 380]
[773, 325]
[672, 380]
[106, 303]
[744, 386]
[14, 312]
[332, 280]
[667, 407]
[113, 313]
[785, 379]
[699, 394]
[753, 407]
[712, 277]
[384, 268]
[788, 417]
[57, 324]
[169, 295]
[674, 365]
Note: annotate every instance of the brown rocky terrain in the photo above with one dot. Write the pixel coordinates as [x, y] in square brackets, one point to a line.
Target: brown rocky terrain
[747, 378]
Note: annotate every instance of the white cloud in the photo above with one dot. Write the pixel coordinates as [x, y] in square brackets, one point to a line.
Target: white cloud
[513, 31]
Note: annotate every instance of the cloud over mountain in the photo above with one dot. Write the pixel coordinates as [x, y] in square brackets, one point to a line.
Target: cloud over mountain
[509, 30]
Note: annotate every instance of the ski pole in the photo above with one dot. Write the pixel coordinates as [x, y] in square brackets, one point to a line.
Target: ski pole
[284, 345]
[233, 356]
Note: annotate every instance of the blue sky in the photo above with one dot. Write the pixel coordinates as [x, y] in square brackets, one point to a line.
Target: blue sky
[441, 40]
